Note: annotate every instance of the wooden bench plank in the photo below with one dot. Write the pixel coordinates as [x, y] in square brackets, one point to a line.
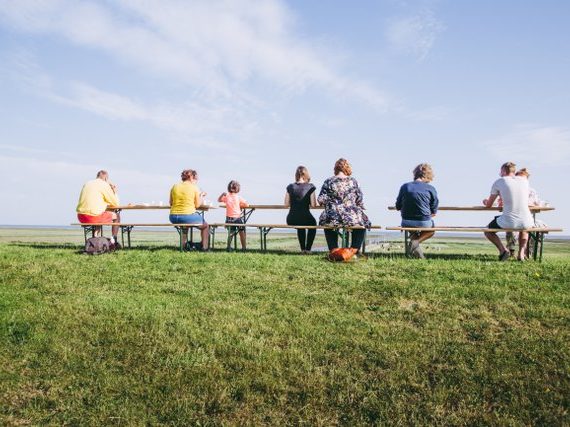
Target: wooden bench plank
[286, 226]
[127, 228]
[263, 228]
[137, 224]
[477, 229]
[536, 235]
[483, 208]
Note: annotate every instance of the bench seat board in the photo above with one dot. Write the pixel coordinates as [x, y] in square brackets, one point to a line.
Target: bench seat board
[264, 229]
[476, 229]
[534, 246]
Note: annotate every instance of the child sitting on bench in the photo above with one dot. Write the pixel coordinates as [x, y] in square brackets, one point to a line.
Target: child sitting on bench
[234, 203]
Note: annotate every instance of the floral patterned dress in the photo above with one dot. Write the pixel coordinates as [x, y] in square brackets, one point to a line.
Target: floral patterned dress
[343, 202]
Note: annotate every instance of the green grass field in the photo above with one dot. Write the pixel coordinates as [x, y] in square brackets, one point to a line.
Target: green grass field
[152, 336]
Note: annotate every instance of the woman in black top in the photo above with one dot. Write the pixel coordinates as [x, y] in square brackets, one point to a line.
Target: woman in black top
[299, 198]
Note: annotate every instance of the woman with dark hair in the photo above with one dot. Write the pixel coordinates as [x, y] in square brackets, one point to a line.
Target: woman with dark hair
[300, 196]
[185, 199]
[344, 205]
[417, 201]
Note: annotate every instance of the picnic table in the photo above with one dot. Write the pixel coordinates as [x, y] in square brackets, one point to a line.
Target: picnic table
[536, 234]
[127, 227]
[533, 209]
[264, 229]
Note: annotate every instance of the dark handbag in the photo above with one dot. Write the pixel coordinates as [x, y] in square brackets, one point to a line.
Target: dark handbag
[98, 246]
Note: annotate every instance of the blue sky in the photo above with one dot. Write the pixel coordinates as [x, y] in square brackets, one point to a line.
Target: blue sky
[248, 90]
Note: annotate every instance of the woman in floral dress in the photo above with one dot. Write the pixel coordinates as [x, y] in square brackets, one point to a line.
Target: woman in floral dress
[342, 198]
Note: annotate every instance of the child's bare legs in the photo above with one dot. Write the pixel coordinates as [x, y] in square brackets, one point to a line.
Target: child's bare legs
[523, 240]
[242, 239]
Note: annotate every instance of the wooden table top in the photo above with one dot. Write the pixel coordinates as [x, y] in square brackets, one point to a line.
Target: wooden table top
[150, 207]
[483, 208]
[269, 207]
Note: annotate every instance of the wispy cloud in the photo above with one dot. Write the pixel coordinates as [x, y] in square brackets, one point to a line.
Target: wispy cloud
[204, 118]
[415, 35]
[211, 45]
[533, 144]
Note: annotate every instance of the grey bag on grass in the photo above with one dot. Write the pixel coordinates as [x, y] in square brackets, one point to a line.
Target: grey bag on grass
[98, 246]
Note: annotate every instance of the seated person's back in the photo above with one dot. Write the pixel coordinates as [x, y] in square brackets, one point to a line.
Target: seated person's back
[514, 193]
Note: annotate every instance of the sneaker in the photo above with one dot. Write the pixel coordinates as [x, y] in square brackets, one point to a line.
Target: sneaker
[414, 246]
[505, 256]
[116, 246]
[418, 253]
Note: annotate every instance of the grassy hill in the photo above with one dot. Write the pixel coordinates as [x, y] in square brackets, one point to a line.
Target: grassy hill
[154, 336]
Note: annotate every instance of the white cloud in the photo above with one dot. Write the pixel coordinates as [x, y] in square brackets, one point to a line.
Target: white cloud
[202, 119]
[213, 45]
[532, 144]
[415, 35]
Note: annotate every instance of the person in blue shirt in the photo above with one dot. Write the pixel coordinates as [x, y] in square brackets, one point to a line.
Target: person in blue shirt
[417, 201]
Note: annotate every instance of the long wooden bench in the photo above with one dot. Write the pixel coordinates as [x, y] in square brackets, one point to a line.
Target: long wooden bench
[126, 228]
[535, 244]
[264, 229]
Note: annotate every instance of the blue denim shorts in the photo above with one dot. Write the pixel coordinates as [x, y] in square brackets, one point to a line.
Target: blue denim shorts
[194, 218]
[417, 223]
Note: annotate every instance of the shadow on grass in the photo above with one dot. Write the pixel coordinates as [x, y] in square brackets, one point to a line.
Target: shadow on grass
[46, 245]
[279, 252]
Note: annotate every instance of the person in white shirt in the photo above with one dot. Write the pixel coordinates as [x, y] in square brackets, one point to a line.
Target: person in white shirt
[514, 191]
[533, 200]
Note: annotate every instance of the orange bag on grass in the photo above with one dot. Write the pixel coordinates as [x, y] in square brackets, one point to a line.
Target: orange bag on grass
[342, 254]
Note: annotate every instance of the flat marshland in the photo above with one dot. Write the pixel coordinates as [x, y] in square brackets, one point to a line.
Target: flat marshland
[154, 336]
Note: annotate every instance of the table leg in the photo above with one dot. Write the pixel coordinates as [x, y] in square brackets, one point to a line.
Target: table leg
[180, 230]
[266, 231]
[212, 237]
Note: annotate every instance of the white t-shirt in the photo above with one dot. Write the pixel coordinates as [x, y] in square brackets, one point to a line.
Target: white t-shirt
[514, 193]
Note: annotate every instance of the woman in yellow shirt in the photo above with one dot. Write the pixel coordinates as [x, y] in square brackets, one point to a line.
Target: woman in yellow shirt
[185, 198]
